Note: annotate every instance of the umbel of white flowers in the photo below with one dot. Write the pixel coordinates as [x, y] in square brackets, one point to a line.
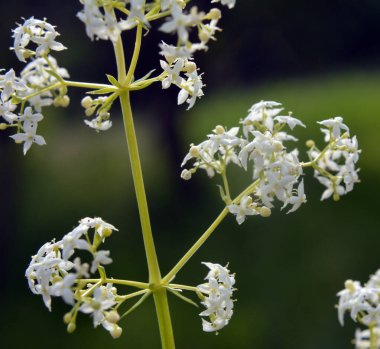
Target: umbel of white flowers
[42, 82]
[259, 145]
[55, 271]
[363, 304]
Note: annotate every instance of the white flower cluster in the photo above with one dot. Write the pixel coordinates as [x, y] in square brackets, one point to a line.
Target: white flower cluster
[53, 272]
[37, 32]
[218, 300]
[107, 20]
[363, 303]
[338, 163]
[99, 106]
[38, 85]
[259, 146]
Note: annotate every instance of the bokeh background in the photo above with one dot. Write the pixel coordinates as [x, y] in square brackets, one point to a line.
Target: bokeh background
[320, 59]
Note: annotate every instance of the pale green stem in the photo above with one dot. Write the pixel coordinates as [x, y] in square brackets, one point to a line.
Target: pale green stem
[134, 294]
[136, 284]
[172, 273]
[135, 56]
[88, 85]
[183, 287]
[159, 293]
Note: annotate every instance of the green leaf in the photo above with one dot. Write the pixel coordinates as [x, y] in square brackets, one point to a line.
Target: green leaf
[113, 81]
[102, 91]
[145, 77]
[136, 305]
[179, 295]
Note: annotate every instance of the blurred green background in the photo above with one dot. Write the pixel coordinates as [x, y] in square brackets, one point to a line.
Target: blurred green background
[319, 60]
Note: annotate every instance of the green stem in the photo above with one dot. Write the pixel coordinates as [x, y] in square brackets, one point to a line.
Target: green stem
[172, 273]
[160, 295]
[136, 284]
[88, 85]
[136, 54]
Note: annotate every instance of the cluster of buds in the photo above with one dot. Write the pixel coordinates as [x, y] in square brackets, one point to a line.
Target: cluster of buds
[39, 84]
[217, 297]
[259, 146]
[54, 272]
[363, 304]
[99, 106]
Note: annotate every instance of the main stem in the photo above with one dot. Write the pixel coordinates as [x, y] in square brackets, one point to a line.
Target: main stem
[159, 293]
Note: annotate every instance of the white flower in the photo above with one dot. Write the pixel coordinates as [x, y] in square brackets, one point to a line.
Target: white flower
[102, 300]
[173, 72]
[9, 84]
[297, 200]
[72, 241]
[101, 227]
[291, 121]
[245, 208]
[229, 3]
[28, 138]
[335, 125]
[63, 288]
[218, 300]
[100, 258]
[99, 124]
[40, 33]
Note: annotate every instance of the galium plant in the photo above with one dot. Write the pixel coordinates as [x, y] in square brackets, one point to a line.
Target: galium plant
[259, 143]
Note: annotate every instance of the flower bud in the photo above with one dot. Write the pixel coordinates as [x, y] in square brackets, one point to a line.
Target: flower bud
[190, 67]
[186, 175]
[3, 126]
[89, 111]
[86, 102]
[67, 318]
[265, 211]
[336, 197]
[215, 14]
[194, 151]
[277, 146]
[204, 36]
[349, 285]
[71, 327]
[113, 317]
[116, 332]
[310, 143]
[219, 130]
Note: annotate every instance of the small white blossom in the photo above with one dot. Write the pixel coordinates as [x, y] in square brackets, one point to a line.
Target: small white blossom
[245, 208]
[102, 300]
[28, 138]
[100, 258]
[218, 301]
[41, 33]
[101, 227]
[335, 125]
[99, 124]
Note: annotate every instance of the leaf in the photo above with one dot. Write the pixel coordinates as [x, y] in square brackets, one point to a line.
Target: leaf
[113, 81]
[136, 305]
[187, 300]
[102, 91]
[145, 77]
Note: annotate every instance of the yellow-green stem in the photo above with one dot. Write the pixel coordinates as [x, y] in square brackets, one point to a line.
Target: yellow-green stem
[160, 295]
[195, 247]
